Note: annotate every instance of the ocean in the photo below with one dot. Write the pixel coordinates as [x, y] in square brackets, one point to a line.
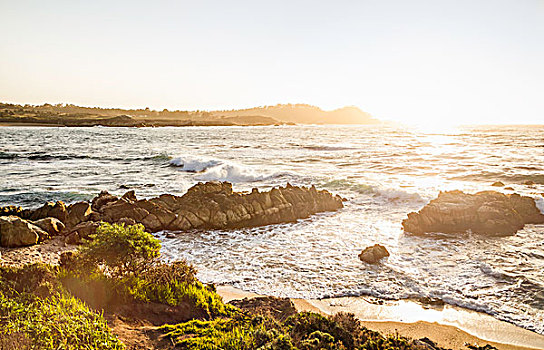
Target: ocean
[385, 172]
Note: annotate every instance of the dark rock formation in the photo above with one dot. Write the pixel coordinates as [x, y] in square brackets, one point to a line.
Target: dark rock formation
[211, 205]
[371, 255]
[497, 184]
[278, 308]
[17, 232]
[485, 212]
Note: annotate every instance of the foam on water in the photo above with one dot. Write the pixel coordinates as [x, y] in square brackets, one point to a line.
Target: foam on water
[539, 201]
[211, 169]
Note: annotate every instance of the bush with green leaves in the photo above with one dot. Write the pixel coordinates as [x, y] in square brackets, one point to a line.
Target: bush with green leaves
[121, 264]
[303, 331]
[120, 249]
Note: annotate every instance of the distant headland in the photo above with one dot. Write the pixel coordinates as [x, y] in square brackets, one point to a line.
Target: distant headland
[72, 115]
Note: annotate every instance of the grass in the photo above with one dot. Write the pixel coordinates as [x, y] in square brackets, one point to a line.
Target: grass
[59, 321]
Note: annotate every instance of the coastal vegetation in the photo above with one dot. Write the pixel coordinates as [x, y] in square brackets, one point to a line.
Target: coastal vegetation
[72, 115]
[118, 270]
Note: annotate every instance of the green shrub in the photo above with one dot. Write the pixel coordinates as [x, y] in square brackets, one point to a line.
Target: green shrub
[120, 264]
[120, 250]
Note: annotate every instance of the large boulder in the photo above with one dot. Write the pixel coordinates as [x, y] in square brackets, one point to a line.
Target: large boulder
[78, 212]
[52, 226]
[17, 232]
[102, 199]
[372, 255]
[487, 212]
[56, 210]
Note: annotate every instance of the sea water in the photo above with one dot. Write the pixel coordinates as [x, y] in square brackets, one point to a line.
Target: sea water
[384, 172]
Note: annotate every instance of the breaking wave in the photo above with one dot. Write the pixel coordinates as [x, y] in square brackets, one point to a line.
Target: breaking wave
[211, 169]
[389, 194]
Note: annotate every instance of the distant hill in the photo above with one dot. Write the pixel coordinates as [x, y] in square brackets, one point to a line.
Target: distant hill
[305, 114]
[72, 115]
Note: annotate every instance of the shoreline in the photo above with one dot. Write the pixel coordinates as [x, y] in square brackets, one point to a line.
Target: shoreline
[448, 326]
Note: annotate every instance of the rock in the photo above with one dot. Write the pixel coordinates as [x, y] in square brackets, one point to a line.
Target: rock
[509, 188]
[372, 255]
[497, 184]
[431, 301]
[79, 212]
[52, 226]
[170, 235]
[17, 232]
[210, 205]
[115, 211]
[54, 210]
[73, 238]
[102, 199]
[11, 210]
[127, 221]
[487, 212]
[529, 183]
[130, 196]
[84, 229]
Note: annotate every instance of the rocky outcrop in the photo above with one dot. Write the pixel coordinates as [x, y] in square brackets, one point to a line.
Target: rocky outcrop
[214, 205]
[487, 212]
[17, 232]
[372, 255]
[210, 205]
[52, 226]
[49, 210]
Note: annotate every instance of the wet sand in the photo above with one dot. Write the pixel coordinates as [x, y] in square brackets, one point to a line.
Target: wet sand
[448, 326]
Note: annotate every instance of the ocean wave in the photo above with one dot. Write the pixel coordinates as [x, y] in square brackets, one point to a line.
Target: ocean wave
[212, 169]
[38, 198]
[6, 155]
[500, 176]
[389, 194]
[42, 156]
[328, 148]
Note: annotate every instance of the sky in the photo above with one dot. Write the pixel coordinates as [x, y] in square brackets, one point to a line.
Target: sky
[413, 61]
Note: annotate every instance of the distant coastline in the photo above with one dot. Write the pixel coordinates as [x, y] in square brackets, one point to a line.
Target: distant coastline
[76, 116]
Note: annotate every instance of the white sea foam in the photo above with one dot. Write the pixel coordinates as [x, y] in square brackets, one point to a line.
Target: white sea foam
[539, 201]
[212, 169]
[377, 191]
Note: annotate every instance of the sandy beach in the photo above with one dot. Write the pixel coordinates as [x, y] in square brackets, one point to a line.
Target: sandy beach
[448, 326]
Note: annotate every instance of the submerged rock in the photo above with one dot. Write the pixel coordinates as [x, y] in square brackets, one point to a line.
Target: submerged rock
[372, 255]
[17, 232]
[486, 212]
